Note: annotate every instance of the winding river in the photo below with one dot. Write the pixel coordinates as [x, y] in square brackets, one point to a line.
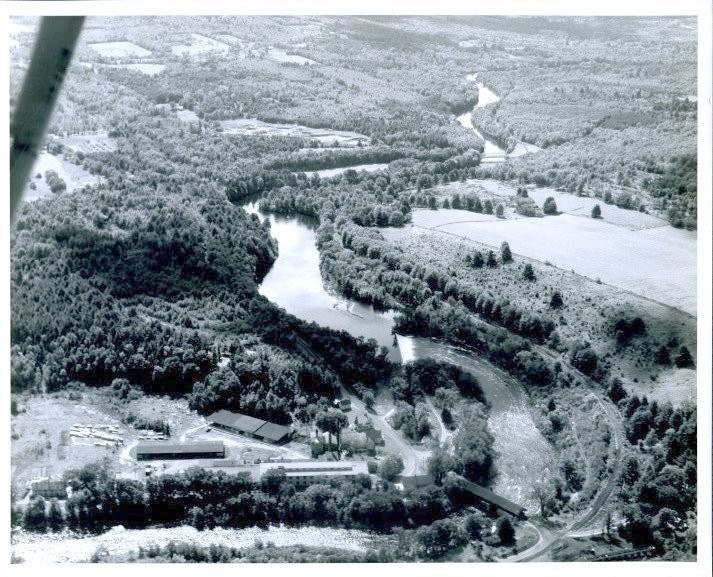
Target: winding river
[492, 152]
[295, 284]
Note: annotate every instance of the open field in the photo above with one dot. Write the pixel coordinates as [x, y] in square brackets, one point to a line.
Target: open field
[200, 45]
[284, 57]
[187, 116]
[63, 548]
[88, 143]
[329, 172]
[658, 263]
[73, 175]
[250, 126]
[144, 68]
[43, 446]
[589, 310]
[119, 49]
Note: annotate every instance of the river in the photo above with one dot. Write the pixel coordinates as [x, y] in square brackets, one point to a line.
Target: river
[492, 152]
[295, 284]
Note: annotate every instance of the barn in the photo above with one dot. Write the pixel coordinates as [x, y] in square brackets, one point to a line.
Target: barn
[170, 451]
[249, 426]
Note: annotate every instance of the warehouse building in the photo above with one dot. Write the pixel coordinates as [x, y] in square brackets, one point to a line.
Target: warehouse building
[249, 426]
[301, 472]
[170, 451]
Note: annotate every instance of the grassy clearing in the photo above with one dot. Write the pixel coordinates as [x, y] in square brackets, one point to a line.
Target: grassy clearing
[284, 57]
[41, 445]
[589, 309]
[200, 44]
[659, 264]
[251, 126]
[73, 175]
[88, 143]
[144, 68]
[119, 49]
[329, 172]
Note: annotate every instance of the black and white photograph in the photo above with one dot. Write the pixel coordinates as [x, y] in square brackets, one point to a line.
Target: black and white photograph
[319, 284]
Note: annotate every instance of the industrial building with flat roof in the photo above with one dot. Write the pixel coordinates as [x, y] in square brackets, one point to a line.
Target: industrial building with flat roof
[301, 472]
[249, 426]
[206, 450]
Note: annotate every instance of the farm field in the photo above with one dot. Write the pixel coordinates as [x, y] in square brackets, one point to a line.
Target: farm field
[144, 68]
[284, 57]
[74, 176]
[250, 126]
[119, 49]
[200, 45]
[329, 172]
[88, 143]
[658, 263]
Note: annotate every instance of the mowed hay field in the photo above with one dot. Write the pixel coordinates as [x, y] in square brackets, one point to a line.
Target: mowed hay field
[657, 263]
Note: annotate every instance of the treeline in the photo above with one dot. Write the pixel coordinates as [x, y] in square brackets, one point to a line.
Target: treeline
[207, 499]
[366, 267]
[369, 199]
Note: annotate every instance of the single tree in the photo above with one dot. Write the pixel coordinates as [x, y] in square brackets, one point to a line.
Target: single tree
[439, 463]
[505, 252]
[556, 301]
[663, 356]
[596, 211]
[506, 532]
[390, 467]
[478, 260]
[35, 518]
[369, 400]
[684, 358]
[332, 422]
[55, 518]
[491, 262]
[528, 273]
[499, 211]
[550, 206]
[488, 206]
